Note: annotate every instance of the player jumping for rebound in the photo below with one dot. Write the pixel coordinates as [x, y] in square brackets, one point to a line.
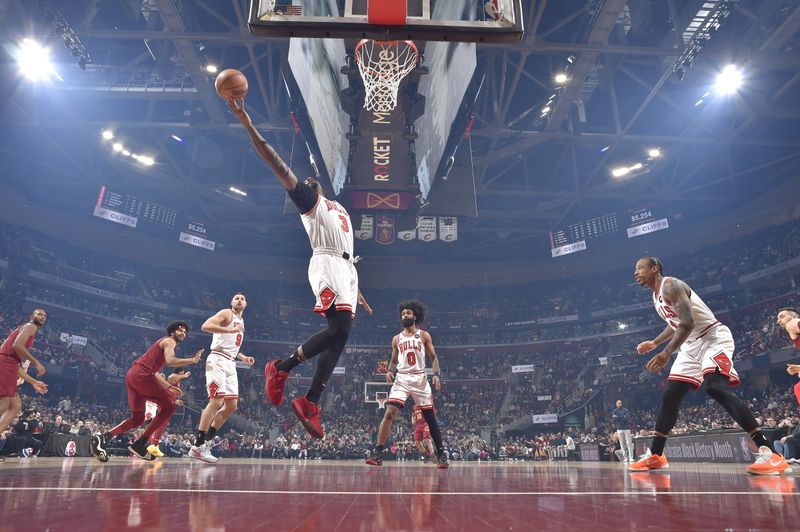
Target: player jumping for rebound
[705, 353]
[143, 385]
[407, 373]
[331, 273]
[222, 383]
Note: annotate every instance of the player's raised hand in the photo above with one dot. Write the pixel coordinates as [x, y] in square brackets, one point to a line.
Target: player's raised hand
[793, 369]
[389, 376]
[645, 347]
[363, 303]
[437, 382]
[237, 106]
[196, 357]
[40, 387]
[658, 362]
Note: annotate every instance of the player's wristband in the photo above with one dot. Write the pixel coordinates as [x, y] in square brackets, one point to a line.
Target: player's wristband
[437, 374]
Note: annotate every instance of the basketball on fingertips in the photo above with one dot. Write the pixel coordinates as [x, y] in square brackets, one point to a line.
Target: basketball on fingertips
[231, 83]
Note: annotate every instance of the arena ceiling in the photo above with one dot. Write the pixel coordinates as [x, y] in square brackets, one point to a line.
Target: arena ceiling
[535, 170]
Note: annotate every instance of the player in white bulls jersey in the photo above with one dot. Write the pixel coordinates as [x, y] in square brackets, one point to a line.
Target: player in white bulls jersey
[331, 273]
[705, 354]
[407, 373]
[222, 382]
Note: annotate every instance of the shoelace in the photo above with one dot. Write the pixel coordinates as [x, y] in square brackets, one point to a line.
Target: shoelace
[763, 458]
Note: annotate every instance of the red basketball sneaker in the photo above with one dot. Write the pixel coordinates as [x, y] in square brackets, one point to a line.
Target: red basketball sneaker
[649, 462]
[308, 414]
[769, 463]
[276, 381]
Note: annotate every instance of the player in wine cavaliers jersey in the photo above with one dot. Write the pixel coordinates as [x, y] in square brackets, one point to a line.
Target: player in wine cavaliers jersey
[331, 273]
[173, 386]
[15, 348]
[143, 385]
[422, 433]
[408, 378]
[705, 354]
[222, 383]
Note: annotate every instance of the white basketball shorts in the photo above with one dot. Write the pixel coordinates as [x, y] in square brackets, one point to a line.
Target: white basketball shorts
[705, 355]
[414, 384]
[222, 382]
[334, 281]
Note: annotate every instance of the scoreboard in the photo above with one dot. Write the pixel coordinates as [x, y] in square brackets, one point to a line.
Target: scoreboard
[136, 213]
[636, 221]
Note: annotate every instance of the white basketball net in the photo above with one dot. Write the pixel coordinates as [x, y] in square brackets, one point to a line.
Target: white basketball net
[383, 64]
[381, 397]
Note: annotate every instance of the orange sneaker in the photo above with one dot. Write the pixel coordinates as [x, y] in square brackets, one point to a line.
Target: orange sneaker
[308, 414]
[769, 463]
[649, 461]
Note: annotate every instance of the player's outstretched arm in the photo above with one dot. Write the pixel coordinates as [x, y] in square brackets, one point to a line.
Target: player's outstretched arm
[431, 352]
[282, 171]
[168, 345]
[390, 373]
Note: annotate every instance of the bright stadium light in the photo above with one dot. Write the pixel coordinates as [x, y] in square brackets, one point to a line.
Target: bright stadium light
[237, 191]
[146, 160]
[126, 153]
[560, 78]
[108, 134]
[637, 166]
[623, 326]
[654, 153]
[211, 69]
[117, 147]
[729, 80]
[34, 61]
[621, 171]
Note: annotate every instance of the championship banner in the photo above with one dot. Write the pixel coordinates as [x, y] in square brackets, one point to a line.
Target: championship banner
[338, 370]
[523, 368]
[382, 201]
[73, 339]
[426, 230]
[448, 228]
[568, 248]
[539, 419]
[649, 227]
[384, 230]
[411, 234]
[367, 229]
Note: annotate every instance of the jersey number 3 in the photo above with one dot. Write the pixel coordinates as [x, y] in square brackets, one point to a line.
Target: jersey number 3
[345, 225]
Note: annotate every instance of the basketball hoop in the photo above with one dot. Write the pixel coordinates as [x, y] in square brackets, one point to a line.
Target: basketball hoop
[383, 65]
[381, 397]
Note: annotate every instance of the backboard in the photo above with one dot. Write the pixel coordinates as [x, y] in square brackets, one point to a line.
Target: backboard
[485, 21]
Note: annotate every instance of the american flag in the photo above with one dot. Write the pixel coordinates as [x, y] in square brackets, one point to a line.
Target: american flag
[290, 10]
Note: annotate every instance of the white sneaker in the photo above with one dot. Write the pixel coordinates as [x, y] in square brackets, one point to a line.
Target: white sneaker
[203, 453]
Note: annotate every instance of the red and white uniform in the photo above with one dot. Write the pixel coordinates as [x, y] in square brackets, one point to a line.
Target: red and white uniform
[411, 378]
[9, 363]
[221, 378]
[709, 346]
[333, 277]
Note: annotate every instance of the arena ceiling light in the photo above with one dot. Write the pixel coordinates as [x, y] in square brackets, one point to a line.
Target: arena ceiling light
[211, 68]
[561, 78]
[654, 153]
[33, 60]
[117, 147]
[108, 134]
[621, 171]
[729, 80]
[238, 191]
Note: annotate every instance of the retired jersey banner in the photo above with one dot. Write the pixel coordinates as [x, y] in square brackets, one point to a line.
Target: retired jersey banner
[367, 229]
[384, 230]
[382, 201]
[448, 228]
[426, 229]
[411, 234]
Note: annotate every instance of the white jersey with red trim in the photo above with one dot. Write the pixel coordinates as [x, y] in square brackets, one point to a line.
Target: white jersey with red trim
[704, 319]
[228, 343]
[411, 353]
[328, 227]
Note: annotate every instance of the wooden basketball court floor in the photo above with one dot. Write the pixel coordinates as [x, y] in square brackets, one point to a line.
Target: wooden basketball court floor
[241, 494]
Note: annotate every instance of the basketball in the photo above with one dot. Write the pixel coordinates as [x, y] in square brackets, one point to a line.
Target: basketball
[231, 83]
